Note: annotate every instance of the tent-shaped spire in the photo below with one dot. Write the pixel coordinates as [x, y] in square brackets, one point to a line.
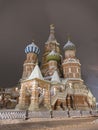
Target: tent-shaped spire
[51, 35]
[36, 73]
[55, 77]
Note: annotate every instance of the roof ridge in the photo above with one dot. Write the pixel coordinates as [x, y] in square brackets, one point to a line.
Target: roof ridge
[36, 73]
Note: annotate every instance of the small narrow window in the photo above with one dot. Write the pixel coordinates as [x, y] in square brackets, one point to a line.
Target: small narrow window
[74, 75]
[69, 70]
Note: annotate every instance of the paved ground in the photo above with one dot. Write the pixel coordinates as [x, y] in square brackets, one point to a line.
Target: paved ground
[90, 123]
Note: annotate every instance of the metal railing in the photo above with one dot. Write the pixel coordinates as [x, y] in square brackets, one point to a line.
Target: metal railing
[25, 114]
[12, 114]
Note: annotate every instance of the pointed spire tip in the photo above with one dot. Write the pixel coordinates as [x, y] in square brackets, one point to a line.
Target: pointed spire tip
[33, 40]
[52, 26]
[68, 37]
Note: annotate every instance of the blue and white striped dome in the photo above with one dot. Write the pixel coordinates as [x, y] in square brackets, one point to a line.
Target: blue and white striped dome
[32, 48]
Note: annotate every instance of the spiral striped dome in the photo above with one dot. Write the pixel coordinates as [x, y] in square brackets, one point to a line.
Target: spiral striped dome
[32, 48]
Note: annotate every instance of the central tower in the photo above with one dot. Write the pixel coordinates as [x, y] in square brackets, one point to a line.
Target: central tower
[51, 59]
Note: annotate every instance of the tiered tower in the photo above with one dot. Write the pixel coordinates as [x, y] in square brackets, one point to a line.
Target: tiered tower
[71, 65]
[32, 51]
[77, 94]
[51, 59]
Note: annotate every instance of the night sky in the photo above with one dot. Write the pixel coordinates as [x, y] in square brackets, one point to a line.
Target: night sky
[21, 21]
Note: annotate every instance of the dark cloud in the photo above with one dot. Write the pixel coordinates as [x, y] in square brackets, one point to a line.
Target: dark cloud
[22, 21]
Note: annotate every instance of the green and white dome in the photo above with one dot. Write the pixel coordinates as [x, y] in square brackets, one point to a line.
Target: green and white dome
[53, 55]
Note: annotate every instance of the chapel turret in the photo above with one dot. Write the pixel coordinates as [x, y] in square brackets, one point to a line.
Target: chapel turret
[51, 59]
[71, 65]
[32, 51]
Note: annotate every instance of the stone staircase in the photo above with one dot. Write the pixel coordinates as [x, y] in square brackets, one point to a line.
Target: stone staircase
[59, 95]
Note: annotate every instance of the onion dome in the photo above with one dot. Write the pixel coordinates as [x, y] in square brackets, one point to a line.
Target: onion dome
[52, 36]
[69, 45]
[32, 48]
[53, 55]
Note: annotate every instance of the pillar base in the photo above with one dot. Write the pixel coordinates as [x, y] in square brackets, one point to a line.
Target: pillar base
[47, 106]
[21, 107]
[83, 108]
[33, 107]
[58, 108]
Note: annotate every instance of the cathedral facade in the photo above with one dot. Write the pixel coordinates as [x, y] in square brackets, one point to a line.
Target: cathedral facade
[57, 84]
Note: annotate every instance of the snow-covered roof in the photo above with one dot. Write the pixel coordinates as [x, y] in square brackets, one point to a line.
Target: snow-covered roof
[68, 79]
[71, 60]
[55, 77]
[53, 52]
[90, 94]
[36, 73]
[69, 46]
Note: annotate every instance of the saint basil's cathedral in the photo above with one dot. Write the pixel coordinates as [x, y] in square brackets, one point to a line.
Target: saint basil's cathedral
[57, 83]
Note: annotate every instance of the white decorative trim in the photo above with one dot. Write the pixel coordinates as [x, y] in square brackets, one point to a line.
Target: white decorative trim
[28, 64]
